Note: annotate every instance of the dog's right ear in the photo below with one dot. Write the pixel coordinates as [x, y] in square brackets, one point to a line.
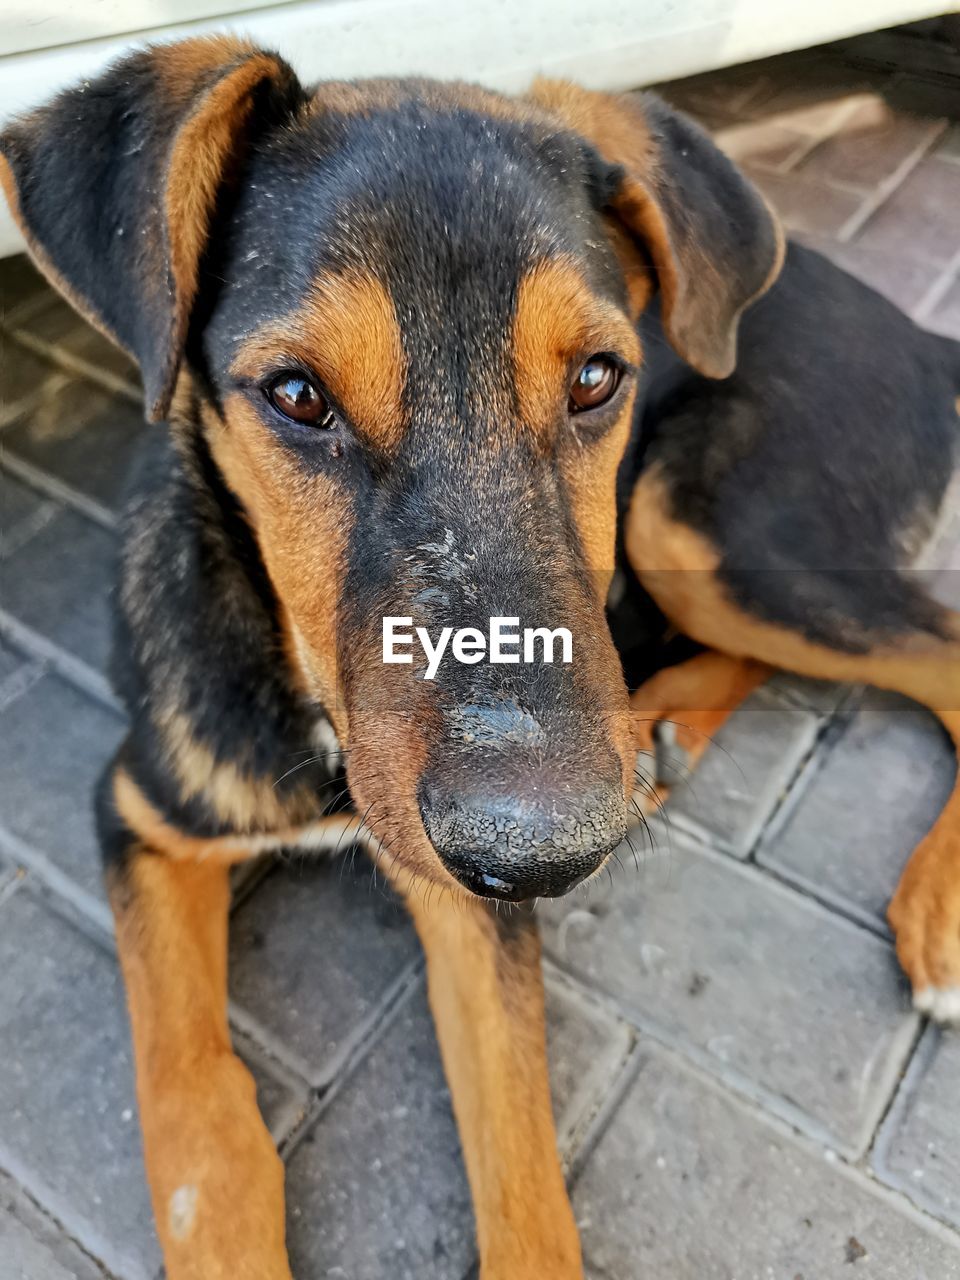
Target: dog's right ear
[115, 182]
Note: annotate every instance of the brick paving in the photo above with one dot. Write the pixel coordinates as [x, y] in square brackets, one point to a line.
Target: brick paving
[743, 1090]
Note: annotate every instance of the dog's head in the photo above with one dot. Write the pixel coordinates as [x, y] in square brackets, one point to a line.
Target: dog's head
[405, 315]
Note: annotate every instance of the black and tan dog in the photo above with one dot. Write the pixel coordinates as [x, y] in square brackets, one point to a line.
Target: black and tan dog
[396, 330]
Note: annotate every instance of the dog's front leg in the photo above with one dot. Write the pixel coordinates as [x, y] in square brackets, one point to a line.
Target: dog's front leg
[486, 994]
[215, 1177]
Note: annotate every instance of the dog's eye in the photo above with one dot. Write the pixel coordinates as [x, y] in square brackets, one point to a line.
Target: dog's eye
[593, 386]
[297, 398]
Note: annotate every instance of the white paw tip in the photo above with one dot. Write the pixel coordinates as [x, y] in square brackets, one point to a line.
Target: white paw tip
[940, 1003]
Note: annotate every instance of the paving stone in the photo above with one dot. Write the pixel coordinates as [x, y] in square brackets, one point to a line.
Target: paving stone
[716, 96]
[763, 143]
[69, 1128]
[61, 741]
[690, 1183]
[314, 952]
[903, 281]
[11, 662]
[949, 147]
[813, 94]
[377, 1190]
[834, 838]
[745, 772]
[919, 1148]
[18, 505]
[22, 374]
[795, 1005]
[282, 1098]
[823, 697]
[19, 281]
[870, 145]
[587, 1049]
[58, 325]
[60, 582]
[919, 221]
[945, 317]
[805, 206]
[32, 1247]
[82, 435]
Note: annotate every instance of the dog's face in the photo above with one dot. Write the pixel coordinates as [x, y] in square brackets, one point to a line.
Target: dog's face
[405, 315]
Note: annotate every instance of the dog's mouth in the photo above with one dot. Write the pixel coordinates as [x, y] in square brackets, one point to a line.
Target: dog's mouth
[483, 885]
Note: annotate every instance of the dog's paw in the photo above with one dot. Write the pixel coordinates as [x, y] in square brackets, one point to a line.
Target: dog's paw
[942, 1004]
[925, 918]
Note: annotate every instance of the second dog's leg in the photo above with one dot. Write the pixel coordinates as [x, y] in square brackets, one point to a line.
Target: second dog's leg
[694, 698]
[215, 1177]
[486, 994]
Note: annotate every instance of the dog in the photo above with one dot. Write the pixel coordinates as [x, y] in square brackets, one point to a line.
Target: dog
[430, 352]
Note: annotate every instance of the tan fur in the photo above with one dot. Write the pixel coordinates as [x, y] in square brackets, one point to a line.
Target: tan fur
[486, 996]
[699, 313]
[240, 800]
[697, 697]
[348, 333]
[558, 322]
[215, 1178]
[201, 152]
[678, 567]
[302, 523]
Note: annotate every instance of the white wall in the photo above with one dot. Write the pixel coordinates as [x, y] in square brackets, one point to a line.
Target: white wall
[503, 43]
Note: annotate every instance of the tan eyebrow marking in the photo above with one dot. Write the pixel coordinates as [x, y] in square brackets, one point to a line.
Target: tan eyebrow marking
[558, 319]
[347, 331]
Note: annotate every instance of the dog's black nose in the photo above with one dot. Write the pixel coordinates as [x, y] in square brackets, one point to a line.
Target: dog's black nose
[528, 840]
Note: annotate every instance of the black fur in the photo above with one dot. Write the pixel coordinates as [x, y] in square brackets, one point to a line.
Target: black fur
[812, 467]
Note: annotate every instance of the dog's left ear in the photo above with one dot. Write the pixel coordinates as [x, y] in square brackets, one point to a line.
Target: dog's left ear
[714, 243]
[115, 182]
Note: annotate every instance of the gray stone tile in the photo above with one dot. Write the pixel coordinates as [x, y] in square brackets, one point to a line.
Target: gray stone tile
[22, 374]
[918, 220]
[69, 1130]
[919, 1148]
[377, 1191]
[18, 507]
[60, 326]
[60, 742]
[745, 772]
[70, 1127]
[945, 317]
[795, 1005]
[764, 143]
[32, 1247]
[823, 697]
[11, 662]
[806, 206]
[84, 436]
[19, 281]
[587, 1049]
[872, 794]
[691, 1184]
[870, 145]
[60, 582]
[283, 1100]
[903, 281]
[949, 147]
[314, 952]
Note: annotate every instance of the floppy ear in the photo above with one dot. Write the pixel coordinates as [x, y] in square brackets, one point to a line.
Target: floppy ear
[714, 243]
[114, 185]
